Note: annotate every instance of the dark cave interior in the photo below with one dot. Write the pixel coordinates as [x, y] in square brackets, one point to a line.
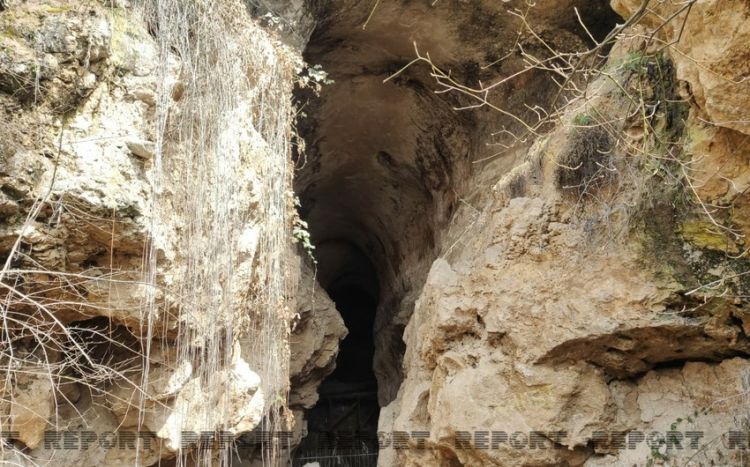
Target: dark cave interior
[344, 421]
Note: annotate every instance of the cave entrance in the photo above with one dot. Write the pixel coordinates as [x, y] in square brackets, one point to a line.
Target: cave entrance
[342, 426]
[389, 169]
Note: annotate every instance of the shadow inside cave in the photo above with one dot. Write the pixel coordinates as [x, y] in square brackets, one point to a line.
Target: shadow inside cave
[342, 427]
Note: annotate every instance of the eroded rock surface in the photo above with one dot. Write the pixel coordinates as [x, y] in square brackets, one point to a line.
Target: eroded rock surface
[590, 280]
[314, 343]
[99, 230]
[544, 319]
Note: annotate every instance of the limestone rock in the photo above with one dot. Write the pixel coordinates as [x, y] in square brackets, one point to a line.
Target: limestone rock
[711, 50]
[315, 339]
[31, 407]
[78, 87]
[692, 398]
[529, 323]
[143, 149]
[240, 405]
[504, 309]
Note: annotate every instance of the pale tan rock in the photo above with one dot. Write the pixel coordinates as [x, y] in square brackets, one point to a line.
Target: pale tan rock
[99, 439]
[521, 325]
[531, 325]
[239, 406]
[143, 149]
[82, 80]
[711, 50]
[706, 399]
[30, 408]
[317, 331]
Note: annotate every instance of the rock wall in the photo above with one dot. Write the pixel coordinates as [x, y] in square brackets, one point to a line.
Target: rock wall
[599, 318]
[78, 96]
[567, 297]
[143, 236]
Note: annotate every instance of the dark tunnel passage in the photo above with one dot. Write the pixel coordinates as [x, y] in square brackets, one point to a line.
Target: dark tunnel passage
[344, 422]
[357, 350]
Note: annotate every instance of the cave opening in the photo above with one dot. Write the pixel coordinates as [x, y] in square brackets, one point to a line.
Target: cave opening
[343, 424]
[390, 166]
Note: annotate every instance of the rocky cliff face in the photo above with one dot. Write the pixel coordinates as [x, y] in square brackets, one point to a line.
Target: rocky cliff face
[145, 234]
[588, 306]
[585, 272]
[557, 238]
